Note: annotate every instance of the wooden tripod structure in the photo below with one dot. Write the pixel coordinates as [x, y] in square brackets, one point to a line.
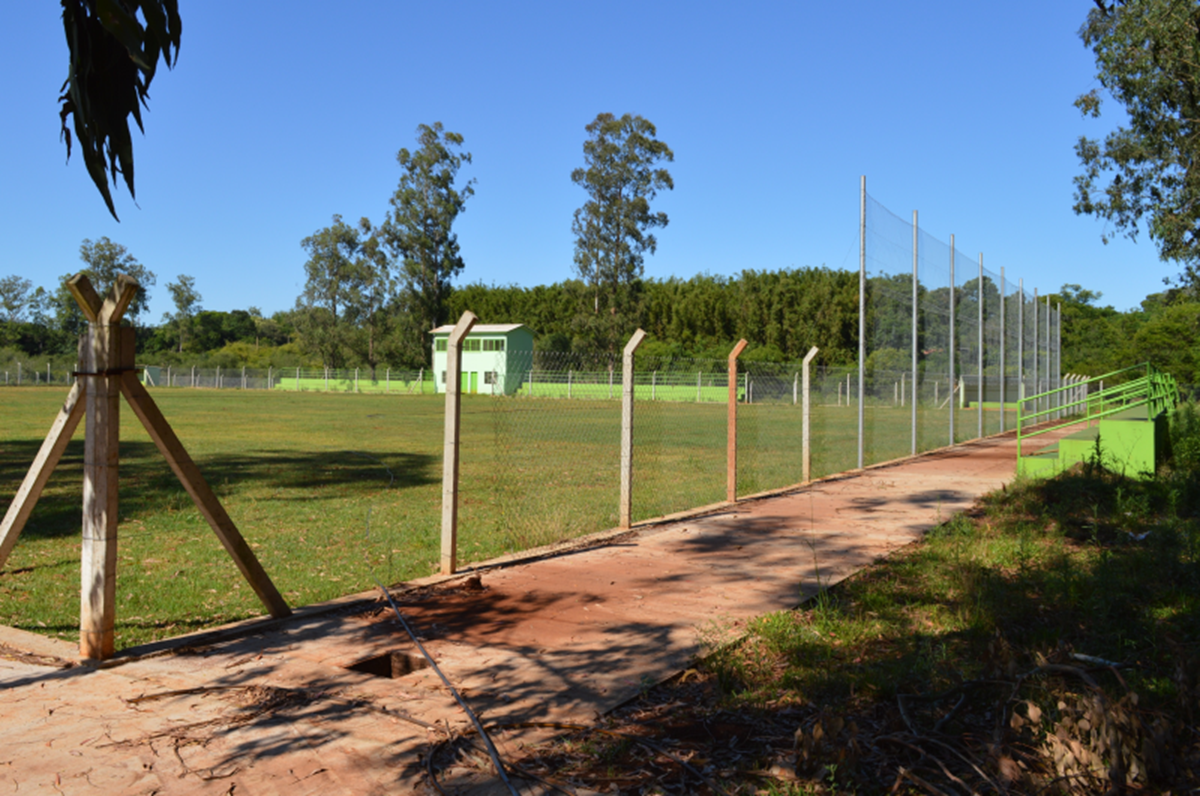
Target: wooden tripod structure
[106, 372]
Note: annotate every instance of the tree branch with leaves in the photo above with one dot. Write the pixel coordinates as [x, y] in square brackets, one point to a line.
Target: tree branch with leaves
[1145, 173]
[113, 59]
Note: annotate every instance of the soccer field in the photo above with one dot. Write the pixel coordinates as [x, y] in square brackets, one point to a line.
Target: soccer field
[333, 489]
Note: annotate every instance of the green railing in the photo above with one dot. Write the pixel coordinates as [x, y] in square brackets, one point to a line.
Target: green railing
[1152, 388]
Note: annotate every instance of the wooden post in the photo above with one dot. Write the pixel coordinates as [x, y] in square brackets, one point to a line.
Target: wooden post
[731, 425]
[805, 436]
[627, 394]
[451, 440]
[102, 359]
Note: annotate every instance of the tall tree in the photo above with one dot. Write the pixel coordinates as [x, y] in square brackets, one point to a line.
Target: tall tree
[187, 303]
[333, 273]
[103, 260]
[1146, 172]
[15, 296]
[419, 228]
[621, 174]
[113, 58]
[372, 296]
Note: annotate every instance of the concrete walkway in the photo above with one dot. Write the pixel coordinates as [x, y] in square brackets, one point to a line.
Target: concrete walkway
[272, 707]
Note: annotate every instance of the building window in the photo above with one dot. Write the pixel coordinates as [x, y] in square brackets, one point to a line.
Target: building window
[443, 377]
[489, 377]
[471, 345]
[439, 344]
[493, 345]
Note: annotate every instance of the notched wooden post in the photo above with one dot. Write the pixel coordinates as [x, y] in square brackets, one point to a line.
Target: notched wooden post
[627, 396]
[731, 443]
[450, 446]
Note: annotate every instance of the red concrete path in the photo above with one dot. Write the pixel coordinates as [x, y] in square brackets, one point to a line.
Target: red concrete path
[270, 707]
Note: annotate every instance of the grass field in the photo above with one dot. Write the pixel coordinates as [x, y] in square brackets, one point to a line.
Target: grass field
[332, 489]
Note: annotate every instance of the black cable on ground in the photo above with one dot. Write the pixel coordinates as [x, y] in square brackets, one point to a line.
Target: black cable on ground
[491, 747]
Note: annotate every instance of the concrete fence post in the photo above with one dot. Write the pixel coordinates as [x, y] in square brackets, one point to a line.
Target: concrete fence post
[731, 423]
[805, 434]
[627, 394]
[450, 447]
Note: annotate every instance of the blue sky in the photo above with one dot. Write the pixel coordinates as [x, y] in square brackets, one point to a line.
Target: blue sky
[279, 115]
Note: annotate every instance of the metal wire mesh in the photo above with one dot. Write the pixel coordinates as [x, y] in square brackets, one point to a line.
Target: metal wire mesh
[384, 380]
[975, 358]
[34, 373]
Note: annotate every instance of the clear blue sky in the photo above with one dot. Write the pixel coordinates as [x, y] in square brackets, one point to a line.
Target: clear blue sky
[279, 115]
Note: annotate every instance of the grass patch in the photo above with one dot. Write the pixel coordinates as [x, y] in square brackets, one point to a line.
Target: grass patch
[1046, 642]
[330, 489]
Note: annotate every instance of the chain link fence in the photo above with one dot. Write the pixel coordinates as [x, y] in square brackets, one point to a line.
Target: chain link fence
[357, 380]
[949, 349]
[35, 373]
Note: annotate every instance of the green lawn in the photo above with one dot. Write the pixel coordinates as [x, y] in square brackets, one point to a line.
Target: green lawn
[331, 489]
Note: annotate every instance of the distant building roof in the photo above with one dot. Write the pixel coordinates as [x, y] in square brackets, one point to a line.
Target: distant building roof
[486, 328]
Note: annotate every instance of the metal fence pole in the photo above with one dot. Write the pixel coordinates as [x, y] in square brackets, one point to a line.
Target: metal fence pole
[979, 354]
[1003, 369]
[950, 400]
[862, 309]
[915, 310]
[1058, 355]
[731, 425]
[1036, 384]
[627, 396]
[1020, 343]
[1048, 365]
[450, 442]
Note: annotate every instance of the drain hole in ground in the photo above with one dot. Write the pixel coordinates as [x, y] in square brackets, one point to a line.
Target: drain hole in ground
[391, 664]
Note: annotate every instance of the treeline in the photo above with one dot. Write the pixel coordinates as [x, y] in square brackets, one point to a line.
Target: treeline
[781, 313]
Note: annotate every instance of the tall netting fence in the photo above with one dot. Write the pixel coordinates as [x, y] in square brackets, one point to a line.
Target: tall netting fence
[935, 394]
[978, 342]
[890, 340]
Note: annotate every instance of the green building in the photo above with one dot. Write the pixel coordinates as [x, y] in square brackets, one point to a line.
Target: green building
[495, 357]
